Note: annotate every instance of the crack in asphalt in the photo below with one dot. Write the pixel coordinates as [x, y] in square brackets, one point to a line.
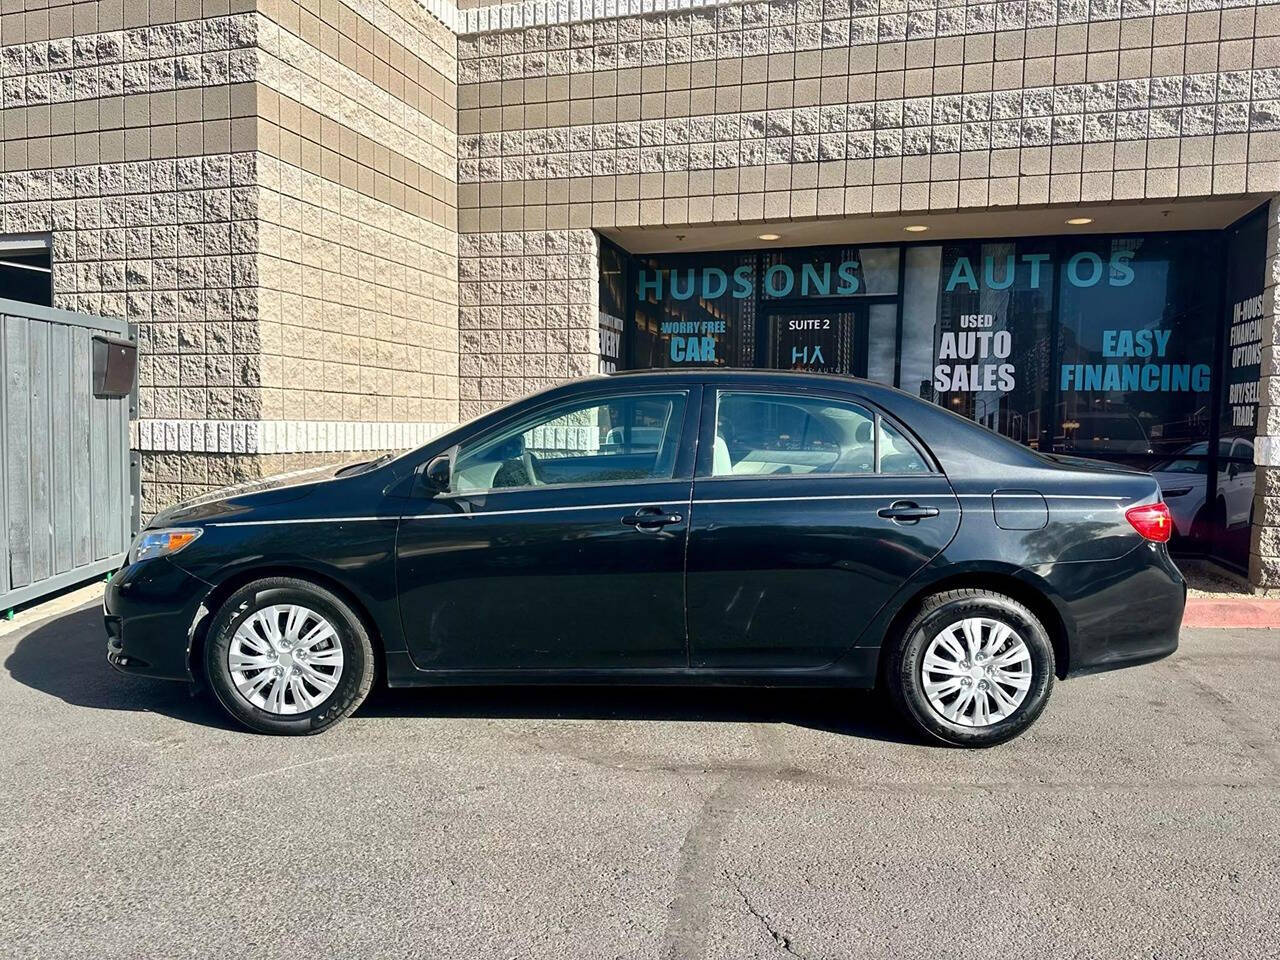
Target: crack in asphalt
[696, 879]
[780, 938]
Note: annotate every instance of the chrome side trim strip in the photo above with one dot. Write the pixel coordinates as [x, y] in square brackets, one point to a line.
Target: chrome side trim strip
[887, 497]
[508, 513]
[272, 523]
[1045, 496]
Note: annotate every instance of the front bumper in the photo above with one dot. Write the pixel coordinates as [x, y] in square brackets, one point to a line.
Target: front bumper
[148, 609]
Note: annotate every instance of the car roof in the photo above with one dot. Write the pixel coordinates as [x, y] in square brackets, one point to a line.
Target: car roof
[781, 377]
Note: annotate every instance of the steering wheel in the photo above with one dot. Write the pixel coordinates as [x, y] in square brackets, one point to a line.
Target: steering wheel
[527, 458]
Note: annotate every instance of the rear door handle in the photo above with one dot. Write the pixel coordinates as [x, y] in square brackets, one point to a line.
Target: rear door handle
[651, 518]
[905, 511]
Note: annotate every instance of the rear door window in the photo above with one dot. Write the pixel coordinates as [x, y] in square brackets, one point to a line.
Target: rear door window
[772, 434]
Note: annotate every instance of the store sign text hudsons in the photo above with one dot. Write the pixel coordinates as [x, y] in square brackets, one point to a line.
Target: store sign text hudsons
[780, 280]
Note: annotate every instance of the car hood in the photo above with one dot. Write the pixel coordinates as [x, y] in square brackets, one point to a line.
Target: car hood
[281, 488]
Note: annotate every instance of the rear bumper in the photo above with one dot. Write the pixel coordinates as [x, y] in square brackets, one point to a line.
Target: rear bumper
[148, 610]
[1126, 611]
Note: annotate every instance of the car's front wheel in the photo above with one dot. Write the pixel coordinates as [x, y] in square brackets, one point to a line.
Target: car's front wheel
[973, 668]
[287, 656]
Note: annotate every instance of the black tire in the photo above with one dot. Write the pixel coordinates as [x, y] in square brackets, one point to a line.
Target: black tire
[906, 658]
[358, 667]
[1209, 521]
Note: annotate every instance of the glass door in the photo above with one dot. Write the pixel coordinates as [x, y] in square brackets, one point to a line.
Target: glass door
[817, 340]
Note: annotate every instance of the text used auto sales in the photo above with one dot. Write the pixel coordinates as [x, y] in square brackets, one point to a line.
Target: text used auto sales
[975, 341]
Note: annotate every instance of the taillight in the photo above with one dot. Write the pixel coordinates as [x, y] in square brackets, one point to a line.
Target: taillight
[1152, 520]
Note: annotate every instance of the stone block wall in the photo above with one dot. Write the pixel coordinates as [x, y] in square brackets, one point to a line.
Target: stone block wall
[358, 213]
[1264, 549]
[623, 113]
[339, 225]
[764, 112]
[529, 313]
[268, 190]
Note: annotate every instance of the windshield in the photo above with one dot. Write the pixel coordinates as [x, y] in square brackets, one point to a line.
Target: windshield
[1182, 463]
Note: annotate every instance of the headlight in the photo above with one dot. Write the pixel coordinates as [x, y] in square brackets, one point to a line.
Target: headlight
[160, 543]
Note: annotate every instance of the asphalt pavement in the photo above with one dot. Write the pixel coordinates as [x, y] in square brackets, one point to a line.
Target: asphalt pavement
[1139, 818]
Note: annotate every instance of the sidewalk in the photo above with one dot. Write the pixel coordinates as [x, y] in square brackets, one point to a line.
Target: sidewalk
[52, 607]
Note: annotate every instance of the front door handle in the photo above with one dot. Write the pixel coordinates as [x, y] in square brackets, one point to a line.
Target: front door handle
[905, 511]
[651, 518]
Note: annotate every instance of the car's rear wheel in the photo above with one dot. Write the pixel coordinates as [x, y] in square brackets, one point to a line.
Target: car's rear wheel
[287, 656]
[973, 668]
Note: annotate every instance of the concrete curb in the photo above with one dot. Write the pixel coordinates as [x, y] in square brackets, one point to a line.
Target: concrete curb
[1237, 612]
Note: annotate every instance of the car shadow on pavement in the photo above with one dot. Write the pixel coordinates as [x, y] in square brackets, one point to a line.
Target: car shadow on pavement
[66, 658]
[858, 713]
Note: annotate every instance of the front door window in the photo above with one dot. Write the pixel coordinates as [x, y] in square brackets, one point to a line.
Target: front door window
[601, 441]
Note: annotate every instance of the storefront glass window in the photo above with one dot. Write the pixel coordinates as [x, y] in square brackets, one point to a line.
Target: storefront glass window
[1134, 368]
[995, 309]
[695, 310]
[882, 341]
[613, 306]
[1100, 346]
[810, 273]
[920, 292]
[1229, 514]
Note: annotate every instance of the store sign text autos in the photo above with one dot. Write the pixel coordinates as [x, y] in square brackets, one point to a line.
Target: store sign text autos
[780, 280]
[1084, 269]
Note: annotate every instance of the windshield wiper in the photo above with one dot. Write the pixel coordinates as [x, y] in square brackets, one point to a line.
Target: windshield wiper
[353, 469]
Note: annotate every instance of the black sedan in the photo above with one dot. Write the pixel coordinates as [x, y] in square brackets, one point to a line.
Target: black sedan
[692, 527]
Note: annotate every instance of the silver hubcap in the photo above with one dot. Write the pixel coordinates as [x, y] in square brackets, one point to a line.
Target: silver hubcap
[976, 672]
[285, 659]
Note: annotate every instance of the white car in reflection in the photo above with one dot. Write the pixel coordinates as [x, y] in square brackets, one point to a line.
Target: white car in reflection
[1184, 479]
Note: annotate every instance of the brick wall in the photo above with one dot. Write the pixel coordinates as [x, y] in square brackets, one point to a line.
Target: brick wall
[269, 191]
[804, 109]
[1264, 551]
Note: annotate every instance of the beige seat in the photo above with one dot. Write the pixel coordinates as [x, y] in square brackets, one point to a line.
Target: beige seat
[721, 465]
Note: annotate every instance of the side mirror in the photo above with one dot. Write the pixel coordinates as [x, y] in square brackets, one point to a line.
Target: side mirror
[436, 474]
[1233, 470]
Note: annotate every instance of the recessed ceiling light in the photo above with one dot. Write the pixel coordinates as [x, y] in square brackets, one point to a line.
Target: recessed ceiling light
[916, 228]
[769, 236]
[1080, 221]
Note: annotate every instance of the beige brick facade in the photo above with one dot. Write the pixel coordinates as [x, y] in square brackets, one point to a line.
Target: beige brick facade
[269, 194]
[1264, 550]
[793, 110]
